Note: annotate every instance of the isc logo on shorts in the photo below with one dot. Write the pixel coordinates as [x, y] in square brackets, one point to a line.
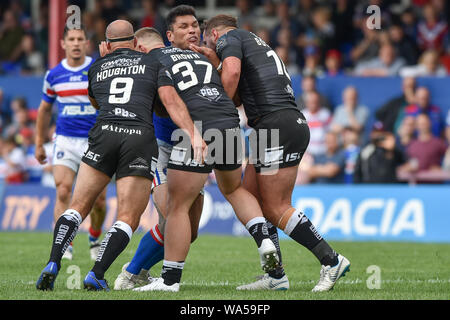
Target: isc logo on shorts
[292, 156]
[92, 156]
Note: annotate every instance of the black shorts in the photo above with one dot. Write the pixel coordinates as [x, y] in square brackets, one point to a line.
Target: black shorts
[225, 152]
[123, 150]
[278, 140]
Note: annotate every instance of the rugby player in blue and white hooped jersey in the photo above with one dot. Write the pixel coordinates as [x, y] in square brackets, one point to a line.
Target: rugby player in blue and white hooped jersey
[67, 84]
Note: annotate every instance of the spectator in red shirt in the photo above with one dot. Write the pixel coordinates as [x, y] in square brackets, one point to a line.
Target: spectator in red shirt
[431, 31]
[426, 151]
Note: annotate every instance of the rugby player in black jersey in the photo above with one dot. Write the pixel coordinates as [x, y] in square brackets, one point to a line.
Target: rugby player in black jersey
[122, 86]
[251, 68]
[198, 84]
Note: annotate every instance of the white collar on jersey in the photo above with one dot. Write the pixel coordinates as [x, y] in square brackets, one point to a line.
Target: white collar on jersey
[87, 60]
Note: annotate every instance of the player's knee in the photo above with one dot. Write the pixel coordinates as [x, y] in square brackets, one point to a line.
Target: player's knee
[63, 192]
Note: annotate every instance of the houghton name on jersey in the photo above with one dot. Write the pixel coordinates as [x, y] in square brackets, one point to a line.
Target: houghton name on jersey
[69, 87]
[265, 85]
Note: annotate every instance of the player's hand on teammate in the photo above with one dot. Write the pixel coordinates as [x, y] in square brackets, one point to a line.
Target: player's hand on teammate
[199, 146]
[40, 154]
[103, 49]
[208, 53]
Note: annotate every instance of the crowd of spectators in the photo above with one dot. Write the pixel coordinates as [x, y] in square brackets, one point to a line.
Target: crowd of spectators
[315, 39]
[408, 142]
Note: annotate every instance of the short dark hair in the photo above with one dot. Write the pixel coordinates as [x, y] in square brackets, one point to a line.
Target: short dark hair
[148, 32]
[181, 10]
[221, 20]
[67, 29]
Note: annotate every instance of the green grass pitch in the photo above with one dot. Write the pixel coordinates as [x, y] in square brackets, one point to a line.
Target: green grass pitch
[217, 264]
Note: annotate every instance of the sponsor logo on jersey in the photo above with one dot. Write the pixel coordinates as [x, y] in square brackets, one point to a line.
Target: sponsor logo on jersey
[221, 43]
[211, 94]
[78, 110]
[301, 121]
[59, 154]
[259, 41]
[122, 62]
[76, 78]
[171, 50]
[124, 113]
[289, 90]
[113, 128]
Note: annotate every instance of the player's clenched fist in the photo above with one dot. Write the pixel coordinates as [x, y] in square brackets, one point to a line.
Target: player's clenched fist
[40, 154]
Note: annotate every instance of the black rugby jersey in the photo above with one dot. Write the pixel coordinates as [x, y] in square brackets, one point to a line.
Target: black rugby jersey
[124, 84]
[265, 85]
[199, 86]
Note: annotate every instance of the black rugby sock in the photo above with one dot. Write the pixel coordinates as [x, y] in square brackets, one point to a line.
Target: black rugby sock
[171, 272]
[278, 273]
[258, 229]
[115, 241]
[66, 228]
[300, 229]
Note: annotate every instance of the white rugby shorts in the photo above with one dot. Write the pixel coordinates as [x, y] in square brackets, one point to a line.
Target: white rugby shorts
[68, 151]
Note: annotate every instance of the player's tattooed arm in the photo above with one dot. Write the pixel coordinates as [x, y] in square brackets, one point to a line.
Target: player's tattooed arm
[42, 123]
[180, 116]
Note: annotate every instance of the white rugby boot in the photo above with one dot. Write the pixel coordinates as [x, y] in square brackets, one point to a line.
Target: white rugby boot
[268, 255]
[158, 285]
[68, 254]
[94, 248]
[266, 282]
[330, 275]
[127, 281]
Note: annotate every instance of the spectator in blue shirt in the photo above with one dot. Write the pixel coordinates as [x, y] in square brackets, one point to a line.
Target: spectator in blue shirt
[329, 167]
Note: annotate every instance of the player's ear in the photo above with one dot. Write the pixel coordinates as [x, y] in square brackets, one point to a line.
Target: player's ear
[169, 35]
[215, 34]
[135, 42]
[63, 44]
[108, 46]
